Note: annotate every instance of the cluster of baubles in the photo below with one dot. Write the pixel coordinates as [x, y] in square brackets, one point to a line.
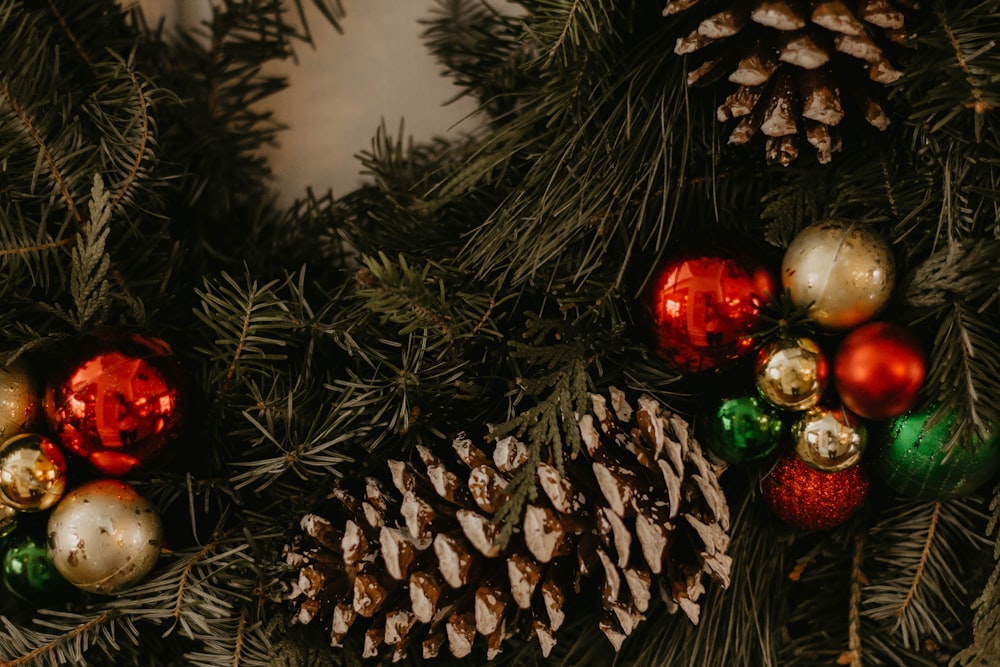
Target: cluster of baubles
[824, 395]
[110, 410]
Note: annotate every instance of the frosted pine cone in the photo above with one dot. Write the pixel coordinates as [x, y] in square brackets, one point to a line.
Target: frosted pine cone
[800, 66]
[639, 513]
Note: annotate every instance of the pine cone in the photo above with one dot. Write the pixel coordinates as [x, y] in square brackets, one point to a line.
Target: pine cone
[641, 509]
[799, 66]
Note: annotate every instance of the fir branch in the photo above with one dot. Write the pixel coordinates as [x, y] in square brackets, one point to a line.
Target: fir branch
[247, 322]
[37, 248]
[483, 50]
[853, 654]
[416, 300]
[90, 266]
[44, 149]
[920, 553]
[954, 57]
[70, 35]
[66, 645]
[985, 645]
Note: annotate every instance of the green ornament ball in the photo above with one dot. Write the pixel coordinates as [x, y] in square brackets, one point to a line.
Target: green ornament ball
[28, 571]
[912, 459]
[743, 429]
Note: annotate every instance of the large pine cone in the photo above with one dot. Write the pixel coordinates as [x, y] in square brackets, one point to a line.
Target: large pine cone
[799, 66]
[641, 510]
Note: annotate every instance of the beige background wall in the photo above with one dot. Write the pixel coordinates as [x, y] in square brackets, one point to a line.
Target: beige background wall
[377, 69]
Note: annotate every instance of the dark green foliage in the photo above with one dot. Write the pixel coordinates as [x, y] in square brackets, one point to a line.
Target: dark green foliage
[483, 284]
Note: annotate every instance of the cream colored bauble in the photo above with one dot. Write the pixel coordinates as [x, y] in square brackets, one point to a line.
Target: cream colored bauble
[845, 270]
[103, 536]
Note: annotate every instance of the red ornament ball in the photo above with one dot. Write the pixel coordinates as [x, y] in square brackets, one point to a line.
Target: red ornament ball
[705, 306]
[878, 370]
[811, 499]
[119, 402]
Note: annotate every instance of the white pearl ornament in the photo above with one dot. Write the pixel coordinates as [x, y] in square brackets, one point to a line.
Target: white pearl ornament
[845, 270]
[103, 536]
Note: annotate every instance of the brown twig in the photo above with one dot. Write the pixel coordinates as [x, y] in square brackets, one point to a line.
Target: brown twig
[29, 658]
[47, 156]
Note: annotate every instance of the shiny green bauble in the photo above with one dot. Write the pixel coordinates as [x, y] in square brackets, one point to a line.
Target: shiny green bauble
[743, 429]
[912, 460]
[27, 568]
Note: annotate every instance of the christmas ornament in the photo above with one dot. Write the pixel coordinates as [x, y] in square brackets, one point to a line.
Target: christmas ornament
[811, 499]
[8, 520]
[20, 399]
[879, 369]
[843, 272]
[742, 429]
[28, 570]
[913, 459]
[32, 472]
[829, 440]
[120, 403]
[705, 306]
[792, 373]
[419, 568]
[798, 67]
[103, 536]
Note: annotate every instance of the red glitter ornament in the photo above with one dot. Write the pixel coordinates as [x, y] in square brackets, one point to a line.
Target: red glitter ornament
[705, 306]
[879, 369]
[810, 499]
[121, 400]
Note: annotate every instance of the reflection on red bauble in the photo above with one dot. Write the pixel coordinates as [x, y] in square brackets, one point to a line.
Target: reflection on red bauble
[705, 306]
[879, 369]
[119, 401]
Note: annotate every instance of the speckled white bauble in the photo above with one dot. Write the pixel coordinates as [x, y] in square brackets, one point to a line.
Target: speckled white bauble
[103, 536]
[845, 270]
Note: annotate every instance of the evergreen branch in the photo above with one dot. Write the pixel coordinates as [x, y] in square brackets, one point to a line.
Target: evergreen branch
[141, 148]
[240, 637]
[37, 247]
[43, 148]
[985, 645]
[186, 572]
[852, 656]
[918, 572]
[90, 266]
[417, 300]
[248, 323]
[979, 103]
[56, 645]
[919, 568]
[70, 35]
[566, 29]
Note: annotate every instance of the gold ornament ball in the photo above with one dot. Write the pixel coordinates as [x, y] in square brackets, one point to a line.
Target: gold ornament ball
[103, 536]
[829, 439]
[845, 270]
[20, 399]
[8, 520]
[32, 472]
[792, 374]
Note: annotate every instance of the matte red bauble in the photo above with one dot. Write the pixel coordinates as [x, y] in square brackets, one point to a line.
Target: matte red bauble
[811, 499]
[119, 402]
[879, 369]
[705, 306]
